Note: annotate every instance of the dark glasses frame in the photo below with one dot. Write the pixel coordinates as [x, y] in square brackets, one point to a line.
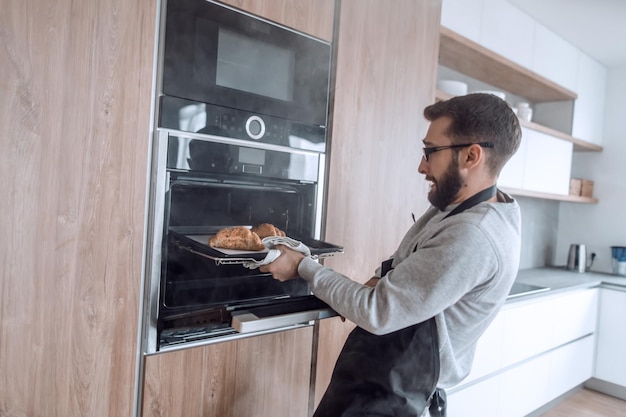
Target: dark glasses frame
[430, 150]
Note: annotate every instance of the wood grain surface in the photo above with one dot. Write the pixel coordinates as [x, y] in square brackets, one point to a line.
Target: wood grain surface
[470, 58]
[313, 17]
[386, 75]
[75, 88]
[588, 403]
[264, 376]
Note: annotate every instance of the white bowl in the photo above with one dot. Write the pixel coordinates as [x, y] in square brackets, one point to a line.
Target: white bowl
[454, 88]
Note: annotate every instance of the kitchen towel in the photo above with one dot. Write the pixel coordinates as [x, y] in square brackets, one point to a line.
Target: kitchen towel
[271, 242]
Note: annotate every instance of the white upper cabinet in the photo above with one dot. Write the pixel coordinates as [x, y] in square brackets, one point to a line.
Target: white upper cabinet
[542, 164]
[548, 163]
[589, 107]
[554, 58]
[507, 31]
[495, 24]
[463, 16]
[512, 174]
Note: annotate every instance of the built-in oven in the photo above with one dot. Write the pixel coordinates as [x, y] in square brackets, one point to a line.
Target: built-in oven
[240, 140]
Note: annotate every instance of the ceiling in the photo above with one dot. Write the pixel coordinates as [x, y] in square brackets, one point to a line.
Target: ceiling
[597, 27]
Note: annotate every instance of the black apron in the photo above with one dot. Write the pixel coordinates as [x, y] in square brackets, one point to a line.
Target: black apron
[393, 375]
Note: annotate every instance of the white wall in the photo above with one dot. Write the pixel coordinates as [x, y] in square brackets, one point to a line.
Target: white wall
[540, 220]
[601, 225]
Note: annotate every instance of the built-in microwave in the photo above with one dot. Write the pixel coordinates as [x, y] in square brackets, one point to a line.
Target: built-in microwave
[222, 56]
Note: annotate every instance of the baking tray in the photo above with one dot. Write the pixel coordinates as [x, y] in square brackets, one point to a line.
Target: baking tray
[199, 244]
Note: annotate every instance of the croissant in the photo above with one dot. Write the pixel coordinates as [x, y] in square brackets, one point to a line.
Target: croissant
[237, 237]
[266, 229]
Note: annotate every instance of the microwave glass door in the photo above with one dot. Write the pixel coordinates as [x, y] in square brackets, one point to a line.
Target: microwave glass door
[247, 64]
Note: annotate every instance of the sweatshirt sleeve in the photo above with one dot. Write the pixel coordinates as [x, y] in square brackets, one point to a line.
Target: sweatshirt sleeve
[458, 261]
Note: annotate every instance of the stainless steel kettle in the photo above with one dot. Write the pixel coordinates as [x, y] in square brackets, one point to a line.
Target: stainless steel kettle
[577, 258]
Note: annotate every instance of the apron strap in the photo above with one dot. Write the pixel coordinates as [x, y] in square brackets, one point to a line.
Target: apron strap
[477, 198]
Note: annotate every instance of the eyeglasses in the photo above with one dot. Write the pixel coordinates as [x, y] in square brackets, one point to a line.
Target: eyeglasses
[433, 149]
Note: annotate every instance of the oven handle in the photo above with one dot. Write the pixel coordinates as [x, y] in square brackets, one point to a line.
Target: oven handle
[199, 183]
[251, 321]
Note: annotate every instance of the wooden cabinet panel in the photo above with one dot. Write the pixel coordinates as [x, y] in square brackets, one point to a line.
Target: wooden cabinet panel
[75, 99]
[263, 376]
[386, 73]
[314, 17]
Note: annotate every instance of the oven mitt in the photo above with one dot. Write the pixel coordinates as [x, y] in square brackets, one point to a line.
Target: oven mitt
[271, 242]
[271, 256]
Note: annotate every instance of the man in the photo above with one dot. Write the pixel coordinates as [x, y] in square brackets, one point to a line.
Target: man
[419, 318]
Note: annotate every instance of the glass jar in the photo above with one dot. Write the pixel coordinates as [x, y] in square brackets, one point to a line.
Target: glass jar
[524, 111]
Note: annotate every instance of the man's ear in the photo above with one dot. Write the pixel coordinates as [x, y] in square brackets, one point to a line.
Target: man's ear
[473, 156]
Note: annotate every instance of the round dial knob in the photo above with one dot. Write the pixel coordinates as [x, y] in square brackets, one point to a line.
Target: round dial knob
[255, 127]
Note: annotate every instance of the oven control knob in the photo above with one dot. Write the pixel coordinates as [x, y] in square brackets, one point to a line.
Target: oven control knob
[255, 127]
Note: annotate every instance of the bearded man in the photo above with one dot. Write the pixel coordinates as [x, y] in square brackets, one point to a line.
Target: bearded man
[419, 318]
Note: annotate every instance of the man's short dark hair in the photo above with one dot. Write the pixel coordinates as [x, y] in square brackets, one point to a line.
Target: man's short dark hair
[480, 117]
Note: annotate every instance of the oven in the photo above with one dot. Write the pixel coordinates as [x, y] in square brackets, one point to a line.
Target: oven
[230, 153]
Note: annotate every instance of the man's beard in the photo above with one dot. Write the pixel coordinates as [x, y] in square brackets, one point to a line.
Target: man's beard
[447, 187]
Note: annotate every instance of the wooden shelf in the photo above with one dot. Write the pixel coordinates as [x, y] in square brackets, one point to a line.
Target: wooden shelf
[463, 55]
[548, 196]
[471, 59]
[579, 144]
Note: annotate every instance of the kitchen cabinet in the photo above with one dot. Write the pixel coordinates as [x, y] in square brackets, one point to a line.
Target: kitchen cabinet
[555, 59]
[464, 17]
[308, 16]
[519, 390]
[548, 163]
[477, 400]
[542, 347]
[570, 366]
[588, 119]
[611, 349]
[507, 31]
[263, 376]
[385, 76]
[75, 110]
[531, 379]
[267, 375]
[527, 168]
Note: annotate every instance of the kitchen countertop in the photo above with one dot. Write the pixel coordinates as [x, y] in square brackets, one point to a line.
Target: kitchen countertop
[560, 280]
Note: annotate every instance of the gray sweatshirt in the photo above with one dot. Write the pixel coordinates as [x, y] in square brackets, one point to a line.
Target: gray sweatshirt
[459, 269]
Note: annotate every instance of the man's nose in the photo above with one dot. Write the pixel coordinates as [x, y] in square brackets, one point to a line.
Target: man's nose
[423, 166]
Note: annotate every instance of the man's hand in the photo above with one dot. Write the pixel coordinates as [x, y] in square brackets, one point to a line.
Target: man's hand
[285, 267]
